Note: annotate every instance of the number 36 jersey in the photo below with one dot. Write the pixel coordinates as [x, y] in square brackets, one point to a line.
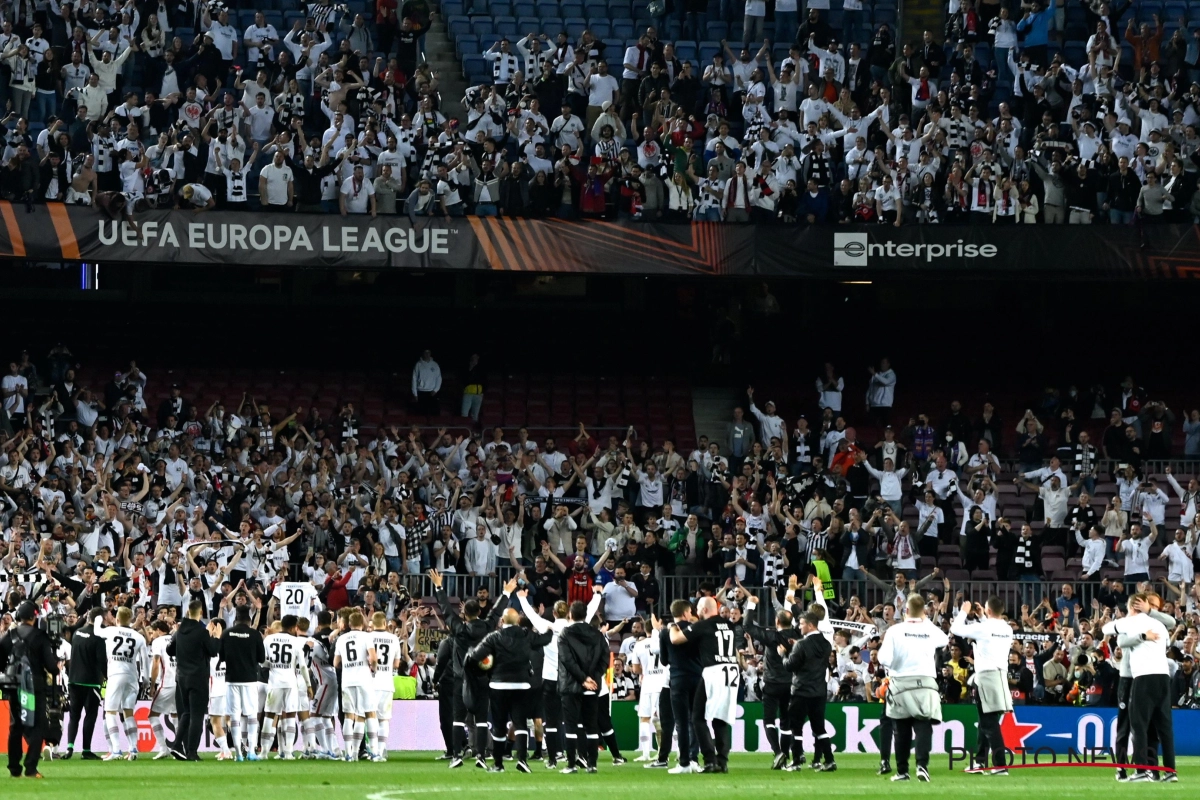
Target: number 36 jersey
[126, 649]
[285, 654]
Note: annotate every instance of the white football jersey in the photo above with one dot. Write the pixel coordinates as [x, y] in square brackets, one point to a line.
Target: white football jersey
[284, 659]
[126, 649]
[352, 648]
[653, 671]
[387, 650]
[295, 599]
[216, 671]
[166, 663]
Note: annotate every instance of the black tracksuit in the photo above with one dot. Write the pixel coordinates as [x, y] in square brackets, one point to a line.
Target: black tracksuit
[242, 651]
[666, 712]
[685, 677]
[443, 677]
[510, 678]
[89, 665]
[777, 684]
[582, 654]
[471, 691]
[808, 663]
[192, 648]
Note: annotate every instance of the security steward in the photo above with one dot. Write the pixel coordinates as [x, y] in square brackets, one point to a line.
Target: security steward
[29, 657]
[193, 646]
[89, 664]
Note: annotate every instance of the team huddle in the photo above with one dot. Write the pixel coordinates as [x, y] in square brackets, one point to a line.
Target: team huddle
[299, 678]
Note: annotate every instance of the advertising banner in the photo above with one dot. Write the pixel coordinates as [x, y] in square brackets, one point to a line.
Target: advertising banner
[1043, 732]
[57, 232]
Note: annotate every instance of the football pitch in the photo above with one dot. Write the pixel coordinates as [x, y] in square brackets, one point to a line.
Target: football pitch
[419, 776]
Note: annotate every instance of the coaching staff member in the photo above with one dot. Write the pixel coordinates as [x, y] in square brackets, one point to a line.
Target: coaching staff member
[192, 646]
[89, 663]
[31, 652]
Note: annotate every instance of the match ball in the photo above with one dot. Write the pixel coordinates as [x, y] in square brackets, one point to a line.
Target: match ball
[486, 663]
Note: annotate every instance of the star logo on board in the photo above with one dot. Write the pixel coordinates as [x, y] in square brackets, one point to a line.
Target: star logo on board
[1015, 733]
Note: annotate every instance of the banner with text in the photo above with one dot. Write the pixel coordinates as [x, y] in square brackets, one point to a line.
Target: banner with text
[56, 232]
[1056, 730]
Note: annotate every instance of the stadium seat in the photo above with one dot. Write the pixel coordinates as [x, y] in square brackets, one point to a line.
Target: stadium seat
[622, 29]
[481, 26]
[526, 9]
[619, 9]
[572, 10]
[527, 25]
[452, 8]
[599, 27]
[575, 26]
[467, 45]
[501, 8]
[507, 26]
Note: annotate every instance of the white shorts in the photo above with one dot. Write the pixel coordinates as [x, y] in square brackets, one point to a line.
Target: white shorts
[282, 701]
[164, 701]
[648, 703]
[721, 683]
[242, 700]
[262, 696]
[216, 706]
[121, 693]
[383, 703]
[358, 700]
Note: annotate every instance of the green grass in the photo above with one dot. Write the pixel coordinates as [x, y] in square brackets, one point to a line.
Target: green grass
[417, 775]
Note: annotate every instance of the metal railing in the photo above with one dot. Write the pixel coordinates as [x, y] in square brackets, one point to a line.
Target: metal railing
[673, 587]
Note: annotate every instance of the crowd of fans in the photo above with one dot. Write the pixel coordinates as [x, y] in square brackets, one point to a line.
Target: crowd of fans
[166, 103]
[109, 501]
[1009, 120]
[1022, 114]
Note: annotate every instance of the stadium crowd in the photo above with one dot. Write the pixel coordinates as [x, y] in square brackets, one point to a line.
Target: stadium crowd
[1021, 114]
[114, 507]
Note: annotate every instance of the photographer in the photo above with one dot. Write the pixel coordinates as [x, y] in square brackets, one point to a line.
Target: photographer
[29, 656]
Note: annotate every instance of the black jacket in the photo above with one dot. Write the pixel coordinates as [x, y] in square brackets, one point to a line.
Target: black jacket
[242, 651]
[512, 650]
[43, 661]
[808, 663]
[89, 661]
[467, 634]
[443, 673]
[776, 677]
[582, 654]
[192, 648]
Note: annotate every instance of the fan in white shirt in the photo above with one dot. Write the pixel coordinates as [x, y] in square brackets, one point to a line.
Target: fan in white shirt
[1178, 555]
